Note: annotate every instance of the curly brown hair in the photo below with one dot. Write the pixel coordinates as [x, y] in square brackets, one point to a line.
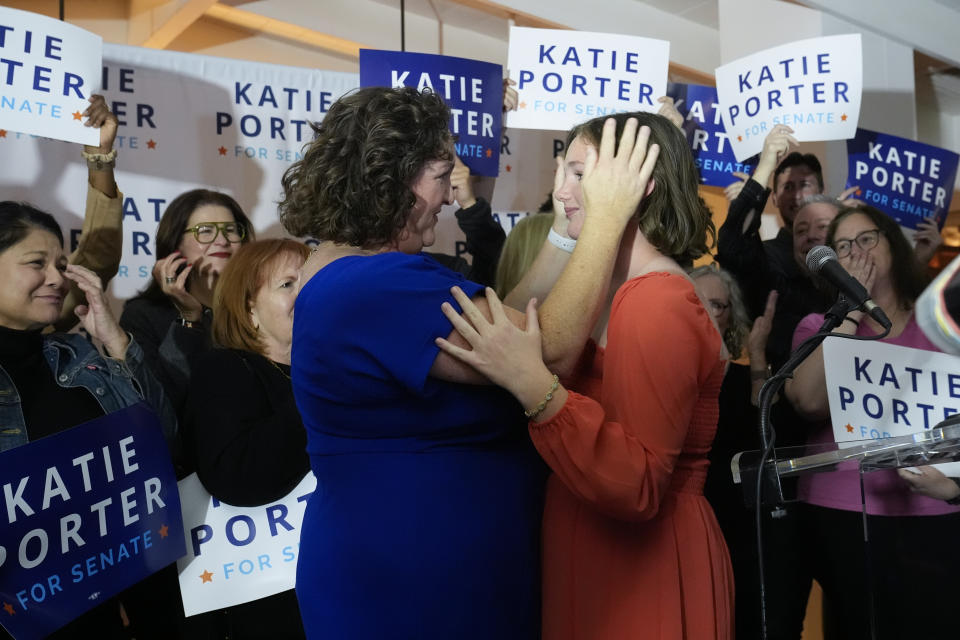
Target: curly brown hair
[673, 218]
[353, 184]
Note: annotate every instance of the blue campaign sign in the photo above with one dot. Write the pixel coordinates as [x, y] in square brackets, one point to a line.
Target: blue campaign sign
[85, 514]
[472, 89]
[708, 140]
[908, 180]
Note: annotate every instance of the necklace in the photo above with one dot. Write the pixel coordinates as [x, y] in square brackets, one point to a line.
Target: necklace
[277, 367]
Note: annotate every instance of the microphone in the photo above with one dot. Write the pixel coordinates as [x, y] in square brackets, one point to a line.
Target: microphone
[823, 261]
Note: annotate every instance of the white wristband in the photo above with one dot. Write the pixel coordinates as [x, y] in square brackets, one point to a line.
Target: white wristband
[560, 242]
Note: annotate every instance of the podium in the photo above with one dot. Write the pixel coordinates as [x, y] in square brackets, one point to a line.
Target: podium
[880, 561]
[937, 445]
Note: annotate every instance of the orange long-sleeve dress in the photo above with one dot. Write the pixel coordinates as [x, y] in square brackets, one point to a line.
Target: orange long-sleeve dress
[631, 548]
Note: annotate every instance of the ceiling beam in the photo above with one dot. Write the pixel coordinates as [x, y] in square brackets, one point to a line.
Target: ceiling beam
[287, 30]
[520, 18]
[678, 72]
[186, 15]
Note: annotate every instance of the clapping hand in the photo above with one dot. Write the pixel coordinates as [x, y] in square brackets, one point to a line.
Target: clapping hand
[96, 316]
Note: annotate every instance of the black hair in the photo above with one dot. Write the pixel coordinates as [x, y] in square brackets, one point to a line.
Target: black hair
[17, 219]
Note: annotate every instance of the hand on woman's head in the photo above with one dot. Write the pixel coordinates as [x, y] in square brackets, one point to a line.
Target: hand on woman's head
[617, 177]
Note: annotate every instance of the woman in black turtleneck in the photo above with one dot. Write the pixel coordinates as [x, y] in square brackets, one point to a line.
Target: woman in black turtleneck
[242, 432]
[56, 381]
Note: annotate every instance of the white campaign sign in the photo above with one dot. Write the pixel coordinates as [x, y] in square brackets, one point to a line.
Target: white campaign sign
[879, 390]
[48, 69]
[186, 121]
[566, 77]
[189, 121]
[813, 86]
[238, 554]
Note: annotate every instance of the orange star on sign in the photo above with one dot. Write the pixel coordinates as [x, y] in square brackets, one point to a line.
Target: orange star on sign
[489, 152]
[151, 144]
[522, 105]
[77, 115]
[859, 192]
[9, 608]
[206, 576]
[843, 118]
[849, 428]
[223, 151]
[164, 531]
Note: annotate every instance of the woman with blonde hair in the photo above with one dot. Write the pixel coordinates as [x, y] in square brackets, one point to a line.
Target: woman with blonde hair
[520, 250]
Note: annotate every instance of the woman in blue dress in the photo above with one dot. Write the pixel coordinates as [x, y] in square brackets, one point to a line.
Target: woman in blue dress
[426, 518]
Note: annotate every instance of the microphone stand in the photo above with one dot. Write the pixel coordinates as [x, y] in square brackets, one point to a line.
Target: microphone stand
[832, 319]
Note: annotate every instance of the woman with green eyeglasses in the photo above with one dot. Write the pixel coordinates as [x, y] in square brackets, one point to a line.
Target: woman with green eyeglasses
[914, 587]
[197, 235]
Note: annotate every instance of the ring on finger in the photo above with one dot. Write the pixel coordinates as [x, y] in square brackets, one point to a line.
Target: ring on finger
[169, 280]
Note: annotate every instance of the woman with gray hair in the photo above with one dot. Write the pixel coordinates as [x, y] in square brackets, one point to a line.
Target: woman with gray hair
[736, 428]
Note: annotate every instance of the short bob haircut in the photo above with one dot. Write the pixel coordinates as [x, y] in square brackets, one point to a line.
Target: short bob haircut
[674, 218]
[907, 275]
[238, 285]
[736, 334]
[18, 219]
[353, 184]
[174, 222]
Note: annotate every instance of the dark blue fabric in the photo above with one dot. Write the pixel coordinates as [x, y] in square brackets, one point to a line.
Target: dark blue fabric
[426, 520]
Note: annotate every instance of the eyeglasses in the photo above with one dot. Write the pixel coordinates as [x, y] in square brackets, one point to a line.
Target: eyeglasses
[717, 306]
[207, 232]
[866, 240]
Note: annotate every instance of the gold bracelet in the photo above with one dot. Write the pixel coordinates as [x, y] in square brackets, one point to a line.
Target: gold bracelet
[533, 413]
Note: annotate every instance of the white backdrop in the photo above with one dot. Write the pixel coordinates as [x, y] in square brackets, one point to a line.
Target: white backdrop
[189, 121]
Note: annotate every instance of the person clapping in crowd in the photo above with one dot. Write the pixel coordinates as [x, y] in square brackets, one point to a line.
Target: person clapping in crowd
[52, 382]
[871, 246]
[198, 234]
[242, 432]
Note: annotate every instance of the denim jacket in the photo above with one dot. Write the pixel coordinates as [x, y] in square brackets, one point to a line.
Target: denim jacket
[75, 362]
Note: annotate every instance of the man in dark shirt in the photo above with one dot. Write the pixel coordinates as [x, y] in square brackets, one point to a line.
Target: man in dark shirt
[484, 235]
[761, 266]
